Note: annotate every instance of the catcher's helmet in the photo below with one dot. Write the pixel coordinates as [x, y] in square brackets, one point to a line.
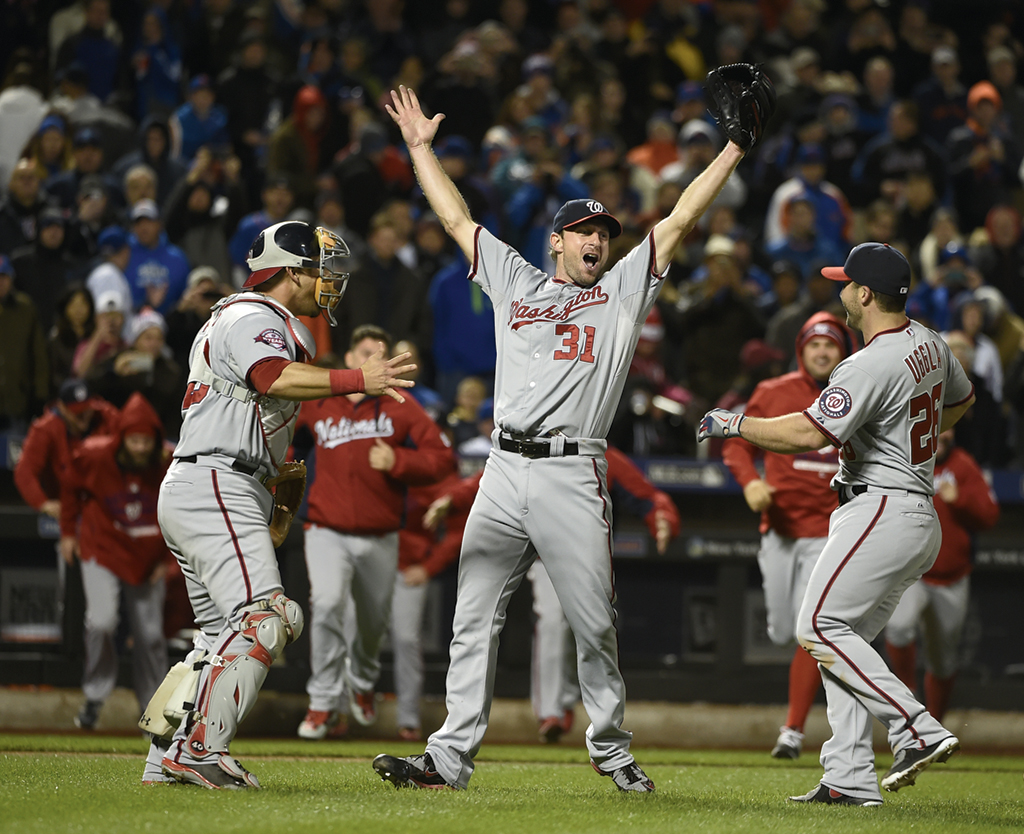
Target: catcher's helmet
[297, 244]
[291, 243]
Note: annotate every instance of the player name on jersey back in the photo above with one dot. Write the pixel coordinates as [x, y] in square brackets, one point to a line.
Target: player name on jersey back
[923, 359]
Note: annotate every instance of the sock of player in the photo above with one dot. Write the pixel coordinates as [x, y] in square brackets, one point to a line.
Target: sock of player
[804, 683]
[936, 694]
[903, 660]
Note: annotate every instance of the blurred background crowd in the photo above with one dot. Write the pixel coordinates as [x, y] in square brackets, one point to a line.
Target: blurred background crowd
[143, 145]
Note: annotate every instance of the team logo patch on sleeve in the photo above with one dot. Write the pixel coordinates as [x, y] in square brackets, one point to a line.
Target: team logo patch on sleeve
[835, 402]
[274, 338]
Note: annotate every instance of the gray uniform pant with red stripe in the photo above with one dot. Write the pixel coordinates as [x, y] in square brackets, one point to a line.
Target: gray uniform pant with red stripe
[215, 523]
[557, 510]
[878, 545]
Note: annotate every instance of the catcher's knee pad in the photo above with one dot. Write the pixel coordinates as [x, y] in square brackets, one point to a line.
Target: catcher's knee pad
[175, 698]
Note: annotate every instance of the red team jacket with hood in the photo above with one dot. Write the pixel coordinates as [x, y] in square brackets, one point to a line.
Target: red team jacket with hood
[973, 511]
[803, 499]
[346, 494]
[48, 448]
[117, 506]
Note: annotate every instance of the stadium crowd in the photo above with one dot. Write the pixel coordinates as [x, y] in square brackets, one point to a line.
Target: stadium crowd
[144, 145]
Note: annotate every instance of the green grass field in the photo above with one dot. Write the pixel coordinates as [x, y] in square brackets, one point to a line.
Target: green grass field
[91, 783]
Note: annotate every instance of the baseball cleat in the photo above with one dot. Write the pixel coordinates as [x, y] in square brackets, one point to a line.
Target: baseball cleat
[550, 729]
[628, 778]
[220, 772]
[411, 772]
[88, 715]
[789, 744]
[909, 763]
[319, 724]
[825, 795]
[362, 708]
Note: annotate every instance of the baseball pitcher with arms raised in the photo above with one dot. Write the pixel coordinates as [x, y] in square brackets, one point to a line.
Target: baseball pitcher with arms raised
[564, 346]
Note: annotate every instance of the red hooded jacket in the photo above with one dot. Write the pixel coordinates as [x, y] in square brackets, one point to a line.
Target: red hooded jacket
[803, 499]
[46, 454]
[974, 510]
[114, 508]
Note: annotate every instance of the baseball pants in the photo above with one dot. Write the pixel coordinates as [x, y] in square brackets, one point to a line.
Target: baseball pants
[347, 569]
[407, 608]
[553, 685]
[215, 523]
[145, 605]
[940, 611]
[786, 566]
[558, 510]
[878, 545]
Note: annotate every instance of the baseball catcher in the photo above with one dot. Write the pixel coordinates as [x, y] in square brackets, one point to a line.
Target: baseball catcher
[742, 99]
[289, 485]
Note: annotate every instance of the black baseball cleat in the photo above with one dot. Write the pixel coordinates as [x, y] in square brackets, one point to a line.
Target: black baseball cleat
[218, 771]
[628, 778]
[412, 772]
[909, 763]
[88, 715]
[825, 795]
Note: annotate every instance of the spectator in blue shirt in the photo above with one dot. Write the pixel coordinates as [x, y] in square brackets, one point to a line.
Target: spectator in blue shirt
[803, 245]
[91, 47]
[200, 121]
[157, 270]
[463, 328]
[277, 203]
[157, 65]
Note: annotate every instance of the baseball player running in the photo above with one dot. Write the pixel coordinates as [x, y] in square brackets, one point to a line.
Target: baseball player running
[937, 602]
[795, 501]
[108, 521]
[884, 408]
[564, 343]
[249, 370]
[372, 449]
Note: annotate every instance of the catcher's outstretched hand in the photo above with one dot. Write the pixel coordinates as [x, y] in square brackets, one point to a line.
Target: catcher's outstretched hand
[720, 423]
[416, 128]
[742, 99]
[383, 376]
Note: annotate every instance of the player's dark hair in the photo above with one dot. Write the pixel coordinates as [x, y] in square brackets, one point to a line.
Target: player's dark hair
[890, 303]
[370, 331]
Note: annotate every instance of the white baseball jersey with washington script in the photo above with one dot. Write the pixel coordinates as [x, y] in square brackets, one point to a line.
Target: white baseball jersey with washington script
[563, 350]
[883, 407]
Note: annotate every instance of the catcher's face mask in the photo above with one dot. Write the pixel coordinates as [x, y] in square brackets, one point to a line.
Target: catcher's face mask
[331, 280]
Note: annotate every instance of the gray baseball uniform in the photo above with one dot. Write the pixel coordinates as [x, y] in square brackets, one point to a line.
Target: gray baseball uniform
[213, 508]
[563, 353]
[882, 408]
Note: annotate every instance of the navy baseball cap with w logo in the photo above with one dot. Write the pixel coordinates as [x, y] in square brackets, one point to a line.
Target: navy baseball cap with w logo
[578, 211]
[874, 265]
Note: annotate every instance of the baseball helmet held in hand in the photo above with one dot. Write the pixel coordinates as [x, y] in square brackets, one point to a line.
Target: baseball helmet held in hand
[742, 99]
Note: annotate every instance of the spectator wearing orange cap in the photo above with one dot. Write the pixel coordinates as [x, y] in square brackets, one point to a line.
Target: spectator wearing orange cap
[983, 157]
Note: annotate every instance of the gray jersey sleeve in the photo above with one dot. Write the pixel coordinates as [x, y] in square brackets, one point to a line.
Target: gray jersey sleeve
[259, 335]
[851, 398]
[497, 267]
[638, 283]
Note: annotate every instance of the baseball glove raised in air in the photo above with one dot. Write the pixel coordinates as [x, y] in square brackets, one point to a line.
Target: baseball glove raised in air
[742, 99]
[288, 486]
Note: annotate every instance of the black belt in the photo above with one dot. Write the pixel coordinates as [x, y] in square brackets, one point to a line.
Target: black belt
[534, 448]
[848, 493]
[249, 469]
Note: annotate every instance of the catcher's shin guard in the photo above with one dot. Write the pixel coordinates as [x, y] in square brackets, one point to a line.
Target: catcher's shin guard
[232, 678]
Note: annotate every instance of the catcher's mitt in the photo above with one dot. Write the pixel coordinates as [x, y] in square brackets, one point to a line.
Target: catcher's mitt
[742, 99]
[288, 486]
